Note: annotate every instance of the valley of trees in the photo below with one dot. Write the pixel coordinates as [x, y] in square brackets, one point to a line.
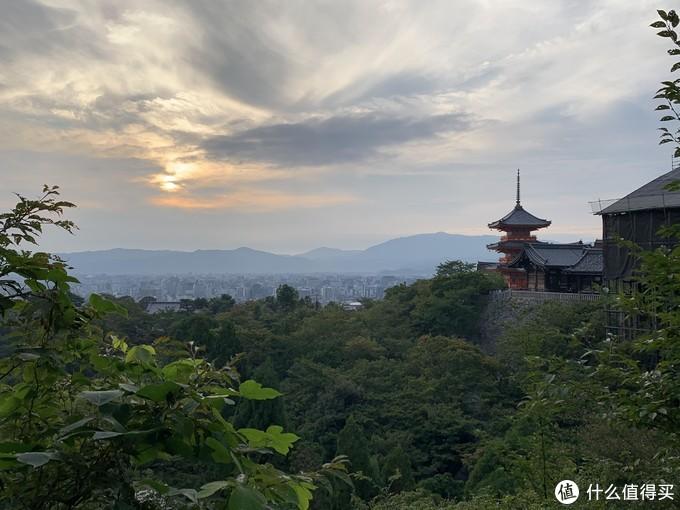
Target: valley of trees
[282, 404]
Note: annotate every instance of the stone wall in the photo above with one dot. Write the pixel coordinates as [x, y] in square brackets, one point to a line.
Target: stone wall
[505, 308]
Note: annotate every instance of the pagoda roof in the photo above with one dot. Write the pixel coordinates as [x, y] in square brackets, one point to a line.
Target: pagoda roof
[519, 217]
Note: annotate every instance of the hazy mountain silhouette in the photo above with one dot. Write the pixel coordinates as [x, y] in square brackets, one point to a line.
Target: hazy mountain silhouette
[418, 254]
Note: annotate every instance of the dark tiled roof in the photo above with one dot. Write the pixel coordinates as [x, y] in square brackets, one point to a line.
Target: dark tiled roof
[652, 195]
[554, 254]
[518, 217]
[574, 258]
[590, 262]
[487, 266]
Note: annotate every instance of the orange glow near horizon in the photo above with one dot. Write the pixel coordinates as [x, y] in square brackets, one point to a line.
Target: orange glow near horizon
[252, 200]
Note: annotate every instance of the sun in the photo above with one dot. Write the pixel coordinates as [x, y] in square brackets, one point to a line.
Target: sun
[175, 172]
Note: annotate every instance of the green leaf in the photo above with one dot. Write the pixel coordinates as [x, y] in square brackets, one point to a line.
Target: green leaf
[28, 356]
[75, 425]
[130, 388]
[253, 390]
[221, 453]
[35, 459]
[99, 398]
[103, 306]
[273, 437]
[658, 24]
[666, 118]
[675, 19]
[190, 494]
[143, 354]
[304, 496]
[119, 343]
[156, 485]
[181, 371]
[105, 434]
[211, 488]
[246, 498]
[159, 392]
[8, 404]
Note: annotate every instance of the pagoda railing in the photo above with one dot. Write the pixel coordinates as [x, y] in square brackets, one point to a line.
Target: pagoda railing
[517, 238]
[540, 297]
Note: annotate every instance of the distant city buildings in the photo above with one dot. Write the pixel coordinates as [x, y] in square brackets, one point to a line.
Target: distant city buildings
[322, 288]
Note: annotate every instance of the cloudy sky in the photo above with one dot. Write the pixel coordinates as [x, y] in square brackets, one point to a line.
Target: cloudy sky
[289, 125]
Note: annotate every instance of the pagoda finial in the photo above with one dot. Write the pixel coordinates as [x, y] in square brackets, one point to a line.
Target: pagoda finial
[518, 186]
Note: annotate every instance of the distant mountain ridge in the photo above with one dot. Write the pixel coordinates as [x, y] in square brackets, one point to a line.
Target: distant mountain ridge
[417, 254]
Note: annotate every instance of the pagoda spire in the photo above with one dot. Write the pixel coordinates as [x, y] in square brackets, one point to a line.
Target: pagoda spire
[518, 186]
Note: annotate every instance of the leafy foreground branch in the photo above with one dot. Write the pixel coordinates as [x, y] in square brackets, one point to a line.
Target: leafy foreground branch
[88, 421]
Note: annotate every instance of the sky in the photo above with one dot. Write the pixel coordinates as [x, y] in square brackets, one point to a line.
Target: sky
[285, 126]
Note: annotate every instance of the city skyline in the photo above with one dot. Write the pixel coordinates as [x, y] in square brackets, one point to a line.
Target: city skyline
[287, 127]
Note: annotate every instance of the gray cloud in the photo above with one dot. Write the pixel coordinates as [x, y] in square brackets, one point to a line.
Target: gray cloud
[85, 90]
[341, 139]
[28, 27]
[235, 54]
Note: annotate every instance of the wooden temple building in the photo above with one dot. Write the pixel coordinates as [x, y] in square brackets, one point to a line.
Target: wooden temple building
[638, 218]
[529, 264]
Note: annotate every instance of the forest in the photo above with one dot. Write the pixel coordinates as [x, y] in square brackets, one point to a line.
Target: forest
[283, 404]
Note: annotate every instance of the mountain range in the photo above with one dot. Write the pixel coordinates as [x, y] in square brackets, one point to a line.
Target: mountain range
[418, 254]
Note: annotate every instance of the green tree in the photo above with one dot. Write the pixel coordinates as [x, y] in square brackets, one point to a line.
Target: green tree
[221, 304]
[353, 444]
[286, 298]
[397, 471]
[453, 302]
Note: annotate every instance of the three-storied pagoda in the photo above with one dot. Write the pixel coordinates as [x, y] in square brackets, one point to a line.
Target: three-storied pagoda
[517, 227]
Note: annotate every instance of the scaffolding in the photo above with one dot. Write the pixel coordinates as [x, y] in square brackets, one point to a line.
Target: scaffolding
[637, 219]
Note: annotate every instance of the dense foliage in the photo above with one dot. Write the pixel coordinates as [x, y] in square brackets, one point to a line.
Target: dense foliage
[429, 420]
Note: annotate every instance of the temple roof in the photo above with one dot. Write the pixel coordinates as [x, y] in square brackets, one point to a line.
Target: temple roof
[518, 217]
[652, 195]
[592, 261]
[575, 257]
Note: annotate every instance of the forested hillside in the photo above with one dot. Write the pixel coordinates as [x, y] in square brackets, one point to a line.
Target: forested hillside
[103, 404]
[423, 415]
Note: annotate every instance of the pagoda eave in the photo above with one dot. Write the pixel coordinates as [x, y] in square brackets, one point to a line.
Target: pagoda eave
[498, 225]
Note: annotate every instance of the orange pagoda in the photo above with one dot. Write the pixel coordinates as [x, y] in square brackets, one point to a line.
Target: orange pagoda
[517, 227]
